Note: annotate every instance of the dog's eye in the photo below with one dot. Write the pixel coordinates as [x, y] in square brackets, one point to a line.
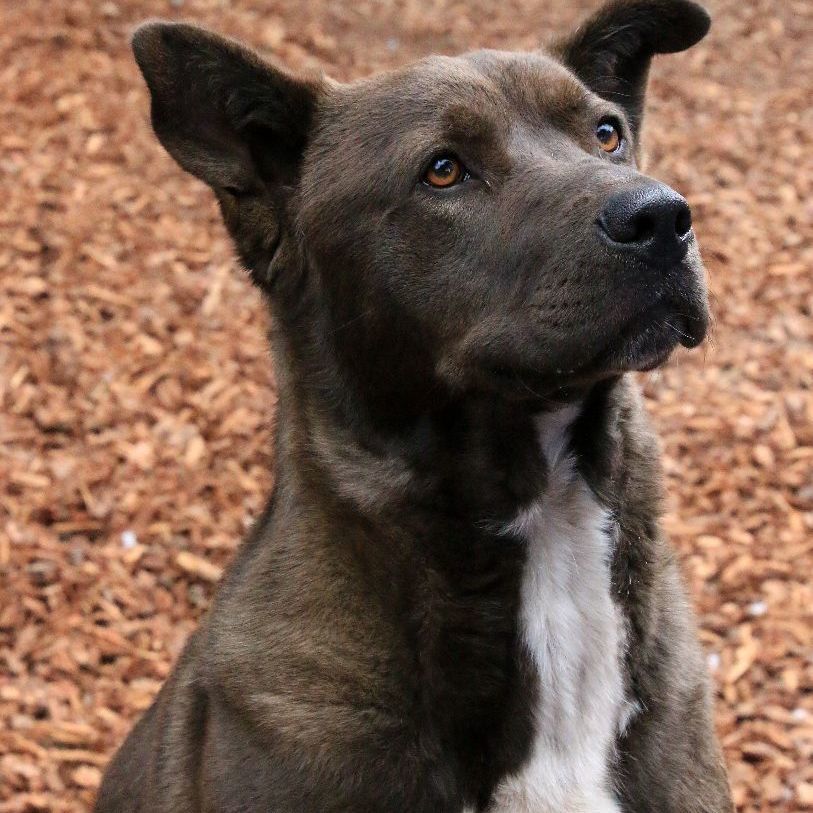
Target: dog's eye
[609, 136]
[443, 171]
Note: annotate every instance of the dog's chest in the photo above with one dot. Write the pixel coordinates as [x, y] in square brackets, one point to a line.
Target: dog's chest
[574, 634]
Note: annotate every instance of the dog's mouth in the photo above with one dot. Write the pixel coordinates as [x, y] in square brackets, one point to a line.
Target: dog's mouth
[639, 340]
[648, 339]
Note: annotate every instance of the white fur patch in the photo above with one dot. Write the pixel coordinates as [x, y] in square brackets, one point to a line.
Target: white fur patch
[574, 633]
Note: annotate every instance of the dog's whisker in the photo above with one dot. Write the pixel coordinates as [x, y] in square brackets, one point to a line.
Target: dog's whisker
[364, 315]
[676, 329]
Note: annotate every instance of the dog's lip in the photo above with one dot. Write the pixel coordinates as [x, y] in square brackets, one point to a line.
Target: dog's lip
[647, 340]
[688, 330]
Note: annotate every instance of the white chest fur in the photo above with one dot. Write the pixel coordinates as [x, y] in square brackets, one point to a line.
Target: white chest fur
[574, 634]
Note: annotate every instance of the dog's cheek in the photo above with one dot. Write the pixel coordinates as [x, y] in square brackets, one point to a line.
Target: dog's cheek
[431, 265]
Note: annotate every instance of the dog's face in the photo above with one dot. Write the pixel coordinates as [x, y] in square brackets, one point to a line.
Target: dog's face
[475, 222]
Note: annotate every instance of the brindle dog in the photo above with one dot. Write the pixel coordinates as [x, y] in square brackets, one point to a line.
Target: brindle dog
[458, 598]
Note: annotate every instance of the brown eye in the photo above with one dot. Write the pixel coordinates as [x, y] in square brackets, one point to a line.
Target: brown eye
[609, 137]
[443, 171]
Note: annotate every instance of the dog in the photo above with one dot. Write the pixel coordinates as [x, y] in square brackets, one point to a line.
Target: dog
[458, 597]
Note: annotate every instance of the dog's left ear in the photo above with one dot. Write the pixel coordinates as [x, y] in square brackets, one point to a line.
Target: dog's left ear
[611, 51]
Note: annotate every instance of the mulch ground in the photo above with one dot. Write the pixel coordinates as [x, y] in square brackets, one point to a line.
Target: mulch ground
[137, 392]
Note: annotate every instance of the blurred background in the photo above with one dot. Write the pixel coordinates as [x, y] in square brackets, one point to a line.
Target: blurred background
[137, 391]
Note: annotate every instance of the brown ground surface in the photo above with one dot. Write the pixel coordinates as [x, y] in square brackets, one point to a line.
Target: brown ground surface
[137, 392]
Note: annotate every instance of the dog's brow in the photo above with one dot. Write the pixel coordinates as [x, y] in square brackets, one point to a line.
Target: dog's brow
[536, 84]
[465, 123]
[558, 93]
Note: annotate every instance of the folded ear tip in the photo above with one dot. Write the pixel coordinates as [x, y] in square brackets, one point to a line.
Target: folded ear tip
[690, 22]
[697, 22]
[702, 21]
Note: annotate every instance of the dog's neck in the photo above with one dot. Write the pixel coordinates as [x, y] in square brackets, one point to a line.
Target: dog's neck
[474, 459]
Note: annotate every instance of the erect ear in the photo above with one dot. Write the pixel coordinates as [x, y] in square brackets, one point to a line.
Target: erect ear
[221, 112]
[611, 51]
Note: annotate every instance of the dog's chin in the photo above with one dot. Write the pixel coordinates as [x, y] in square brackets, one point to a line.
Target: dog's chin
[645, 351]
[643, 342]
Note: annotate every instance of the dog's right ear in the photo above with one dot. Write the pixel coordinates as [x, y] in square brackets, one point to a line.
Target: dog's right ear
[611, 51]
[222, 112]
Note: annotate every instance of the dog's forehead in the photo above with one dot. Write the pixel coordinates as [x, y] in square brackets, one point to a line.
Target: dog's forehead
[486, 84]
[534, 80]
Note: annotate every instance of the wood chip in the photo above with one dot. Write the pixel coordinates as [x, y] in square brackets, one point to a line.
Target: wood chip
[198, 566]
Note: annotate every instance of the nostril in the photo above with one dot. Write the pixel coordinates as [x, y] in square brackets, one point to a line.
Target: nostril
[644, 228]
[683, 222]
[627, 227]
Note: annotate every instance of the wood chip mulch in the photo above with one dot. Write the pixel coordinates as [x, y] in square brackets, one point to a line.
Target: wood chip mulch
[137, 392]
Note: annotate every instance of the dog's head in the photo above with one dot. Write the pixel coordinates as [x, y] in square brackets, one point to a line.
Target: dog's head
[473, 222]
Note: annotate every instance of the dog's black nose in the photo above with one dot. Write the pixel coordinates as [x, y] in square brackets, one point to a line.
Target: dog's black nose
[652, 222]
